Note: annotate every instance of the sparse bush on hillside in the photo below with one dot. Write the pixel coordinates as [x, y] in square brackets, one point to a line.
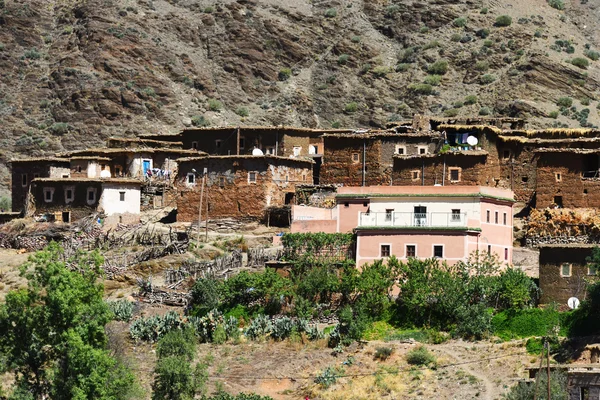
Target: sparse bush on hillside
[438, 68]
[423, 29]
[242, 111]
[200, 121]
[487, 79]
[214, 105]
[420, 356]
[485, 111]
[391, 11]
[351, 107]
[432, 45]
[355, 39]
[460, 22]
[482, 66]
[408, 55]
[565, 102]
[456, 37]
[470, 99]
[433, 80]
[483, 33]
[402, 67]
[553, 114]
[484, 10]
[343, 59]
[503, 20]
[380, 71]
[32, 54]
[580, 62]
[558, 4]
[421, 88]
[331, 13]
[452, 112]
[59, 128]
[284, 74]
[592, 54]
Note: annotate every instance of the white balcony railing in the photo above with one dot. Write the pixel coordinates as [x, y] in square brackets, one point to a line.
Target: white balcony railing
[408, 219]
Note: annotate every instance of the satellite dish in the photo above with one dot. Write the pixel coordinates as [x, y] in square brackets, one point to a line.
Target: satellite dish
[472, 141]
[104, 174]
[257, 152]
[573, 303]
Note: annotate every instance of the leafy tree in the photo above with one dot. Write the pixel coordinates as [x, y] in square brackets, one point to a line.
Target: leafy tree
[524, 391]
[205, 296]
[53, 331]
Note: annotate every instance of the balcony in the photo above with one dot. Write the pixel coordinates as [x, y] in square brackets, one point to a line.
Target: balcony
[413, 220]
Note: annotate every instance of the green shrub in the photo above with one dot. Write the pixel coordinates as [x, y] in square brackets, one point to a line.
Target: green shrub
[483, 33]
[488, 43]
[538, 33]
[458, 104]
[327, 378]
[209, 10]
[59, 128]
[351, 107]
[284, 74]
[470, 99]
[391, 10]
[525, 323]
[460, 22]
[592, 54]
[330, 13]
[242, 111]
[380, 71]
[179, 342]
[355, 39]
[343, 59]
[485, 111]
[402, 67]
[503, 20]
[421, 88]
[423, 29]
[474, 321]
[204, 296]
[219, 335]
[383, 353]
[432, 45]
[482, 66]
[558, 4]
[149, 91]
[420, 356]
[565, 102]
[438, 68]
[553, 114]
[200, 121]
[259, 327]
[484, 10]
[121, 309]
[214, 105]
[32, 54]
[534, 346]
[580, 62]
[456, 37]
[585, 101]
[336, 124]
[487, 79]
[452, 112]
[408, 55]
[433, 80]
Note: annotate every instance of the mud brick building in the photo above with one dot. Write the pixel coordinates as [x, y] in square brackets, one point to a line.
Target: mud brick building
[26, 170]
[237, 186]
[367, 159]
[69, 199]
[565, 272]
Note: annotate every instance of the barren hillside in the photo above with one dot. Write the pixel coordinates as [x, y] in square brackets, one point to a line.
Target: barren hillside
[73, 72]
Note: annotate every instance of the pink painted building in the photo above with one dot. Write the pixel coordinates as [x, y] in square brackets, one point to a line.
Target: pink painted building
[448, 222]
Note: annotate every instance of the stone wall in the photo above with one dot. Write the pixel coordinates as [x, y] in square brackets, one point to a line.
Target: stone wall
[340, 167]
[78, 208]
[429, 171]
[29, 170]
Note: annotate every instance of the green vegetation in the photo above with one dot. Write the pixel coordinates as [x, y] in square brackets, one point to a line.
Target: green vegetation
[122, 310]
[433, 80]
[351, 107]
[402, 67]
[485, 111]
[421, 88]
[408, 55]
[200, 121]
[214, 105]
[242, 111]
[421, 357]
[343, 59]
[355, 39]
[59, 128]
[423, 29]
[53, 331]
[558, 4]
[380, 71]
[592, 54]
[148, 91]
[460, 22]
[5, 203]
[503, 20]
[470, 99]
[284, 74]
[580, 62]
[456, 37]
[487, 79]
[330, 13]
[438, 68]
[32, 54]
[482, 66]
[553, 114]
[452, 112]
[563, 45]
[565, 102]
[383, 353]
[526, 391]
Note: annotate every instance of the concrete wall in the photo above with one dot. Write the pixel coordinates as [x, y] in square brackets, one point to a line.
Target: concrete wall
[497, 235]
[305, 213]
[111, 203]
[310, 226]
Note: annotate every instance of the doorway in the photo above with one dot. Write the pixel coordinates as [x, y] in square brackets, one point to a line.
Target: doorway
[66, 217]
[420, 213]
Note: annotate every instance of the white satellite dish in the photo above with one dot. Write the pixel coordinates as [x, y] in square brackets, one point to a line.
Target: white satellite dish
[573, 303]
[105, 174]
[257, 152]
[472, 141]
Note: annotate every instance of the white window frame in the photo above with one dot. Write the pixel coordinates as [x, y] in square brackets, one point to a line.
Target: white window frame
[406, 249]
[255, 176]
[87, 195]
[51, 191]
[385, 244]
[558, 176]
[400, 147]
[412, 175]
[297, 150]
[357, 158]
[592, 270]
[425, 148]
[433, 246]
[458, 169]
[455, 217]
[270, 150]
[67, 198]
[562, 265]
[187, 179]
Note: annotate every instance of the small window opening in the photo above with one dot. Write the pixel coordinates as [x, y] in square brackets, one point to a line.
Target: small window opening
[524, 179]
[355, 157]
[411, 250]
[558, 200]
[385, 250]
[252, 177]
[565, 270]
[121, 196]
[438, 251]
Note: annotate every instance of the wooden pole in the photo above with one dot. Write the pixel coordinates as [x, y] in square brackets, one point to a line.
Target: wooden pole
[537, 376]
[548, 366]
[206, 224]
[200, 211]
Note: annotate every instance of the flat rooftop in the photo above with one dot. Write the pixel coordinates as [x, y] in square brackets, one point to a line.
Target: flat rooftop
[423, 191]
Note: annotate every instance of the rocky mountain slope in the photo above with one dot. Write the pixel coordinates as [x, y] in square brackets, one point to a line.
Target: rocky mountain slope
[73, 72]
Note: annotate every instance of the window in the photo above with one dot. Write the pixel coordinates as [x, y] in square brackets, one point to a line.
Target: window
[524, 179]
[565, 270]
[487, 216]
[505, 219]
[385, 250]
[303, 178]
[592, 269]
[558, 201]
[400, 150]
[218, 144]
[121, 196]
[316, 149]
[297, 150]
[454, 174]
[496, 217]
[221, 182]
[91, 196]
[438, 251]
[48, 195]
[252, 177]
[558, 177]
[242, 142]
[23, 179]
[456, 215]
[346, 204]
[422, 149]
[195, 145]
[355, 158]
[411, 250]
[388, 214]
[270, 150]
[489, 249]
[79, 168]
[69, 194]
[505, 254]
[64, 176]
[191, 178]
[416, 174]
[117, 171]
[506, 154]
[287, 178]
